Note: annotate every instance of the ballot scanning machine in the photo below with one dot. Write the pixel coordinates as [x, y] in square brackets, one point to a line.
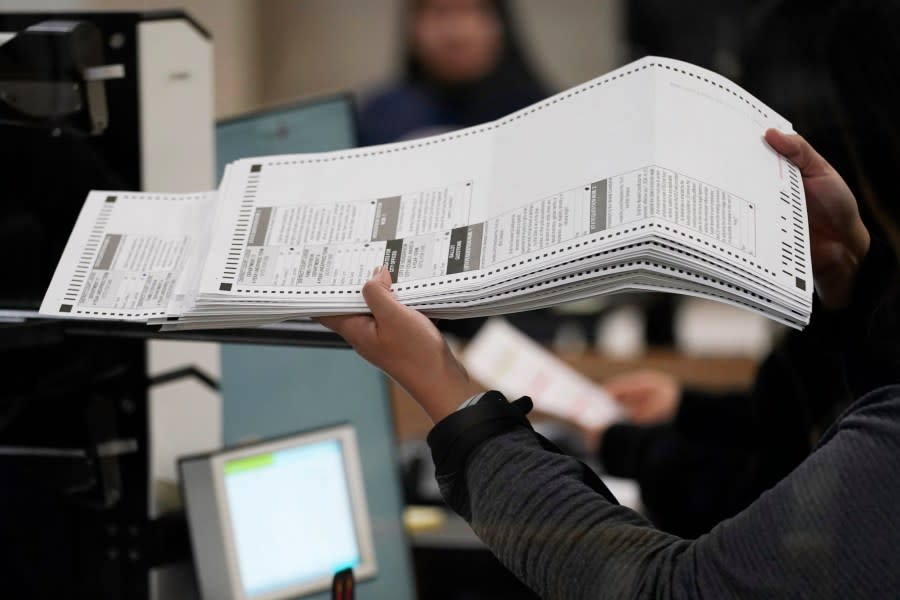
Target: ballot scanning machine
[86, 102]
[120, 101]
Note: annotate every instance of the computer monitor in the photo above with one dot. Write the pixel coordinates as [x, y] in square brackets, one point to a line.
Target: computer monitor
[311, 125]
[278, 519]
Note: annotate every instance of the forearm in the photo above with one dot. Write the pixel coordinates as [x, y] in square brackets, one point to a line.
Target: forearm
[535, 512]
[541, 514]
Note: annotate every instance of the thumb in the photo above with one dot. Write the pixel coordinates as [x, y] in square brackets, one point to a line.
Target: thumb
[378, 296]
[798, 151]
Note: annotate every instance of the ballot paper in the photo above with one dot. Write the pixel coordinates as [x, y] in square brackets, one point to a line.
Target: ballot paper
[652, 177]
[131, 256]
[503, 358]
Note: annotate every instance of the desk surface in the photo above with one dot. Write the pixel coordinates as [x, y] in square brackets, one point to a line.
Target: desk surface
[451, 531]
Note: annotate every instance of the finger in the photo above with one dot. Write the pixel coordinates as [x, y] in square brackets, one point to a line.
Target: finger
[617, 392]
[332, 322]
[353, 328]
[524, 404]
[378, 296]
[624, 398]
[633, 401]
[798, 151]
[623, 387]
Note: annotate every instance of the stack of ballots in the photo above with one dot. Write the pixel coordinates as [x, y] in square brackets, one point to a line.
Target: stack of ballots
[653, 177]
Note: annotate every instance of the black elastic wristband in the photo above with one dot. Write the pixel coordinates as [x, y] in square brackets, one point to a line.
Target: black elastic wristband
[456, 436]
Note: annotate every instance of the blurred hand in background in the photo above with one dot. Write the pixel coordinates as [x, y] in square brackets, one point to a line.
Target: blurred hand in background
[647, 396]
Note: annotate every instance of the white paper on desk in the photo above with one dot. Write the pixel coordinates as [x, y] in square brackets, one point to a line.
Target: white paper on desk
[503, 358]
[126, 255]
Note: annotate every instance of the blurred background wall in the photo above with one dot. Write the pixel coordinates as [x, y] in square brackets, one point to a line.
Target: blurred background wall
[272, 50]
[314, 45]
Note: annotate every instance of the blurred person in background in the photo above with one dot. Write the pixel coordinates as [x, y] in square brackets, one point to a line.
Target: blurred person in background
[464, 66]
[825, 530]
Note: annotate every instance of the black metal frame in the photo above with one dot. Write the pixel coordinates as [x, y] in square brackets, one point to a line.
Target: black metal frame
[30, 326]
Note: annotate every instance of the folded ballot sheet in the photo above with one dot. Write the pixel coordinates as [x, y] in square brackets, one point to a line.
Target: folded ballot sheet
[503, 358]
[653, 177]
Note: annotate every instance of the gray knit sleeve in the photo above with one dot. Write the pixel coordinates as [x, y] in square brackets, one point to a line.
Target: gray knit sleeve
[556, 534]
[825, 531]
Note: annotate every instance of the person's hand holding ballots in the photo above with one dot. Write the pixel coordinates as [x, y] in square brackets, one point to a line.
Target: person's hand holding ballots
[406, 345]
[838, 241]
[837, 236]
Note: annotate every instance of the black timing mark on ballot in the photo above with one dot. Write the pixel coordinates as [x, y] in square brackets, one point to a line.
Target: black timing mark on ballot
[796, 205]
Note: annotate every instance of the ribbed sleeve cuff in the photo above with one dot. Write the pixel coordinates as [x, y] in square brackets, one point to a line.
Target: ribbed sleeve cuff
[458, 435]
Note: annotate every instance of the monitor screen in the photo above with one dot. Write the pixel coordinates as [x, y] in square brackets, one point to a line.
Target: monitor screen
[306, 126]
[271, 507]
[279, 519]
